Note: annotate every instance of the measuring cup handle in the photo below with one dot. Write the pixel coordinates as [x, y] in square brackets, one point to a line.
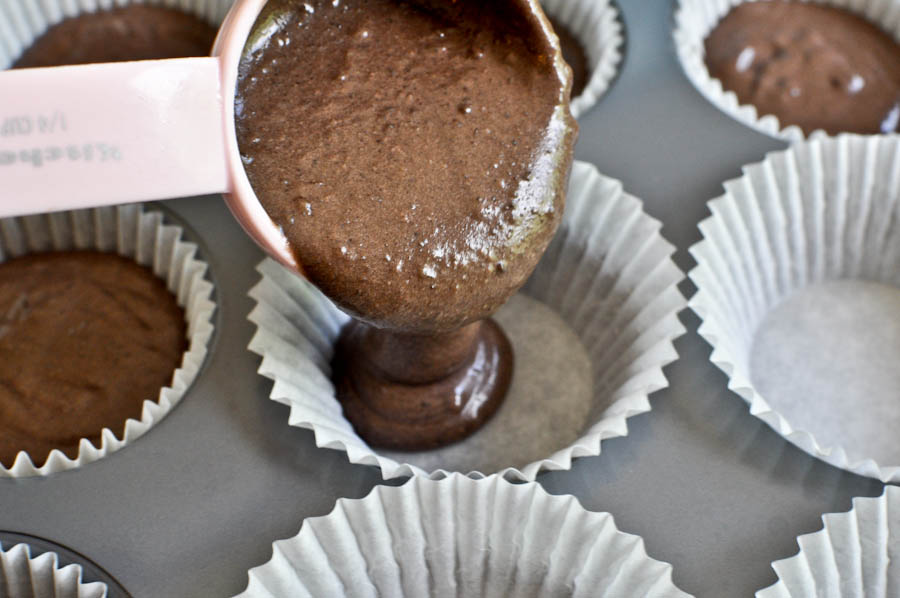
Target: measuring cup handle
[93, 135]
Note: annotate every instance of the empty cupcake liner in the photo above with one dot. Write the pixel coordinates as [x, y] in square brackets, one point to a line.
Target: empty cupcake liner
[24, 576]
[460, 537]
[23, 21]
[695, 20]
[607, 279]
[856, 555]
[143, 236]
[818, 217]
[597, 27]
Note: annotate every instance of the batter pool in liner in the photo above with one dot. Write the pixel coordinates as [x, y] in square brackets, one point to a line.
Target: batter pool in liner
[415, 154]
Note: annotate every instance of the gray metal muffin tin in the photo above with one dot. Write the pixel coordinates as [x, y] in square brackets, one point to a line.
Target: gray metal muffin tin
[193, 505]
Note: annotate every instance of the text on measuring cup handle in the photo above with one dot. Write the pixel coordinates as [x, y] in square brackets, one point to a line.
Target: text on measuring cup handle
[16, 127]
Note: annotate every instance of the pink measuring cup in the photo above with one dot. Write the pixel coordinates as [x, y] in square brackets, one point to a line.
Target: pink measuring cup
[88, 136]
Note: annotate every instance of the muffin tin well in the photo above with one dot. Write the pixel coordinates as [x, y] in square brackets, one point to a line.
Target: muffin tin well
[461, 537]
[799, 291]
[146, 237]
[695, 19]
[592, 329]
[32, 567]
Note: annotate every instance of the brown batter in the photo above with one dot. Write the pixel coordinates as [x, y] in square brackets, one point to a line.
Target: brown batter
[414, 153]
[85, 339]
[813, 66]
[394, 405]
[134, 32]
[574, 55]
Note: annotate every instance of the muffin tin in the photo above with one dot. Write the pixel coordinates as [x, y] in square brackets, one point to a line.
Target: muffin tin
[90, 580]
[198, 501]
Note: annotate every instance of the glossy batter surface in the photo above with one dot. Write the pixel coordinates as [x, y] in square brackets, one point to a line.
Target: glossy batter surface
[414, 153]
[574, 55]
[134, 32]
[85, 339]
[813, 66]
[409, 392]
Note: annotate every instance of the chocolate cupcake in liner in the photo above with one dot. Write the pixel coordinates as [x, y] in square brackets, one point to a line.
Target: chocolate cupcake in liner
[797, 279]
[24, 576]
[856, 555]
[23, 21]
[143, 236]
[591, 331]
[461, 537]
[592, 37]
[696, 19]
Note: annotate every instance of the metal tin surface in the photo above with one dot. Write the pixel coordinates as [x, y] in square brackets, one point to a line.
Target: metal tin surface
[198, 501]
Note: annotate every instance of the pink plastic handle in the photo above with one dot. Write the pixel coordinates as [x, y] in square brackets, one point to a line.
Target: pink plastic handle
[86, 136]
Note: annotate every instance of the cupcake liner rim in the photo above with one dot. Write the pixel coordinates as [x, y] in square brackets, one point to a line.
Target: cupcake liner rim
[135, 233]
[645, 313]
[749, 295]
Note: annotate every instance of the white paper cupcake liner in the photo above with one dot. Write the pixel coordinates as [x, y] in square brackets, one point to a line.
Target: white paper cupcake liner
[856, 555]
[597, 27]
[824, 210]
[607, 275]
[144, 237]
[460, 537]
[22, 576]
[695, 20]
[23, 21]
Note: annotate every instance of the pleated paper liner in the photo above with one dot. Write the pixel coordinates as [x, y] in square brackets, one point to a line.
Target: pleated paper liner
[460, 537]
[42, 576]
[596, 25]
[23, 21]
[592, 329]
[797, 279]
[695, 20]
[856, 555]
[145, 237]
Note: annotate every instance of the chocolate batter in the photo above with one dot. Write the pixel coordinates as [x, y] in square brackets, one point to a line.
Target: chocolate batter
[574, 55]
[813, 66]
[415, 154]
[134, 32]
[85, 339]
[393, 405]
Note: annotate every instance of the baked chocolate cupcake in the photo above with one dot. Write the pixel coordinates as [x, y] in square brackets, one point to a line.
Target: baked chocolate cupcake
[104, 324]
[795, 68]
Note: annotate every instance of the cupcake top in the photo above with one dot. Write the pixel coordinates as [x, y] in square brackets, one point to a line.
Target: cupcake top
[813, 66]
[422, 174]
[85, 339]
[133, 32]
